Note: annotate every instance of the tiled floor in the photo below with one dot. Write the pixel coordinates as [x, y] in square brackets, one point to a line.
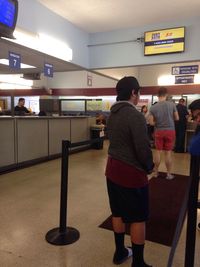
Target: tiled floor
[29, 208]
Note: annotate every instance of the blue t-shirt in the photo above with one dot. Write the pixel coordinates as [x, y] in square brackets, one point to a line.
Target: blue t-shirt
[194, 147]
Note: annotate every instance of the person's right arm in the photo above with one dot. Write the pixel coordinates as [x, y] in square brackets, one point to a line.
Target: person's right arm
[152, 120]
[141, 142]
[175, 114]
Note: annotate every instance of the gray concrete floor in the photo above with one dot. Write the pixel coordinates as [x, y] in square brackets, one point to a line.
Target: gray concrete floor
[29, 208]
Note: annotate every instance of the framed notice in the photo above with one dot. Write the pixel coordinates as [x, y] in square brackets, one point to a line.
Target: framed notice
[94, 104]
[89, 80]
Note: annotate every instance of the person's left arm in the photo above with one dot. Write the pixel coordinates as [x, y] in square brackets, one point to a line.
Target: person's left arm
[151, 119]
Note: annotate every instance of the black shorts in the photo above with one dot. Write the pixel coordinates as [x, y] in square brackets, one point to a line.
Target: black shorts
[131, 204]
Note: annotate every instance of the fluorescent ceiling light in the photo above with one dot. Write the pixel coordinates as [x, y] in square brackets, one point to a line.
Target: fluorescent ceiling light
[10, 86]
[8, 81]
[196, 78]
[5, 61]
[39, 41]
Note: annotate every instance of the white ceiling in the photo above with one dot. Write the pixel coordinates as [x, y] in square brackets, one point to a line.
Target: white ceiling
[106, 15]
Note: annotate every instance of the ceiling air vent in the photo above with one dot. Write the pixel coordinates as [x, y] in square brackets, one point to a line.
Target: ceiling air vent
[31, 76]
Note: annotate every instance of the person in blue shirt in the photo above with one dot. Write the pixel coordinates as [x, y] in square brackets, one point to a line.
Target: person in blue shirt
[194, 148]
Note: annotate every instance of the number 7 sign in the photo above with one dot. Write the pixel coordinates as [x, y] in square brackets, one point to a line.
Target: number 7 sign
[14, 60]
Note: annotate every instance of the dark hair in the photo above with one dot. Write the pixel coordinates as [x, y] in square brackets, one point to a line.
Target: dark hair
[21, 99]
[194, 105]
[125, 86]
[144, 106]
[42, 113]
[162, 91]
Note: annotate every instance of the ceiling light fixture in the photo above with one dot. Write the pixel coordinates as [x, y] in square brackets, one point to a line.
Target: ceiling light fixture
[15, 82]
[197, 79]
[39, 41]
[166, 80]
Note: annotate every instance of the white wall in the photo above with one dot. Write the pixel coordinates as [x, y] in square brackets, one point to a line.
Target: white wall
[148, 75]
[36, 18]
[132, 53]
[43, 82]
[78, 79]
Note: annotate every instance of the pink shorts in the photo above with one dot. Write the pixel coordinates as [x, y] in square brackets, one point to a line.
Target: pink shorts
[164, 139]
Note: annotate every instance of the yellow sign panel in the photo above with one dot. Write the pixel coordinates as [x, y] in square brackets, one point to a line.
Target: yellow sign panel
[93, 105]
[164, 41]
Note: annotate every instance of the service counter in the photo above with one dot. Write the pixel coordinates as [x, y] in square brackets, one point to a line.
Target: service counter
[32, 139]
[7, 141]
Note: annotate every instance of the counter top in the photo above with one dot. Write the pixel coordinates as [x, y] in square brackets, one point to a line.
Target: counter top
[41, 117]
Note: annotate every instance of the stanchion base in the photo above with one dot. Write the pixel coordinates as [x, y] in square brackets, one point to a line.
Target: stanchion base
[58, 238]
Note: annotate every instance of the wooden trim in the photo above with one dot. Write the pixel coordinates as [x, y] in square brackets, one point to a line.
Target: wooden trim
[172, 90]
[22, 92]
[146, 90]
[84, 92]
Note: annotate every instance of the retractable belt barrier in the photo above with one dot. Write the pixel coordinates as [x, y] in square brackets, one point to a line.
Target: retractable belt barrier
[64, 235]
[192, 212]
[189, 206]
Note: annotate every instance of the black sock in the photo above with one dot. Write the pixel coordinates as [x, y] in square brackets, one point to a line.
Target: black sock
[119, 242]
[138, 256]
[121, 251]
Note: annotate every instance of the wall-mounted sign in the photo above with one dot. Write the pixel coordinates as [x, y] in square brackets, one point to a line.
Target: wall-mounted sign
[89, 80]
[164, 41]
[194, 69]
[48, 70]
[184, 79]
[14, 60]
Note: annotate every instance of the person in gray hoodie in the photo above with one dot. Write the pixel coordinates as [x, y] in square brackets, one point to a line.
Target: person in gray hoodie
[129, 161]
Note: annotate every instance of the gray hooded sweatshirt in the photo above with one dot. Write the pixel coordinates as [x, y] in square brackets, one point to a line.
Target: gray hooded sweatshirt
[127, 133]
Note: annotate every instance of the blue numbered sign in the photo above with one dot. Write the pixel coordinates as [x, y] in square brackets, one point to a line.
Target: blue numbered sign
[48, 70]
[14, 60]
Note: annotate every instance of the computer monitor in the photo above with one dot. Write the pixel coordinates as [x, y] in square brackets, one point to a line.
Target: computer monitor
[8, 17]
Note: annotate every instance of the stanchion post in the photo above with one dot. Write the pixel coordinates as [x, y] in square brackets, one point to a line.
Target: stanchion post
[192, 212]
[63, 235]
[64, 185]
